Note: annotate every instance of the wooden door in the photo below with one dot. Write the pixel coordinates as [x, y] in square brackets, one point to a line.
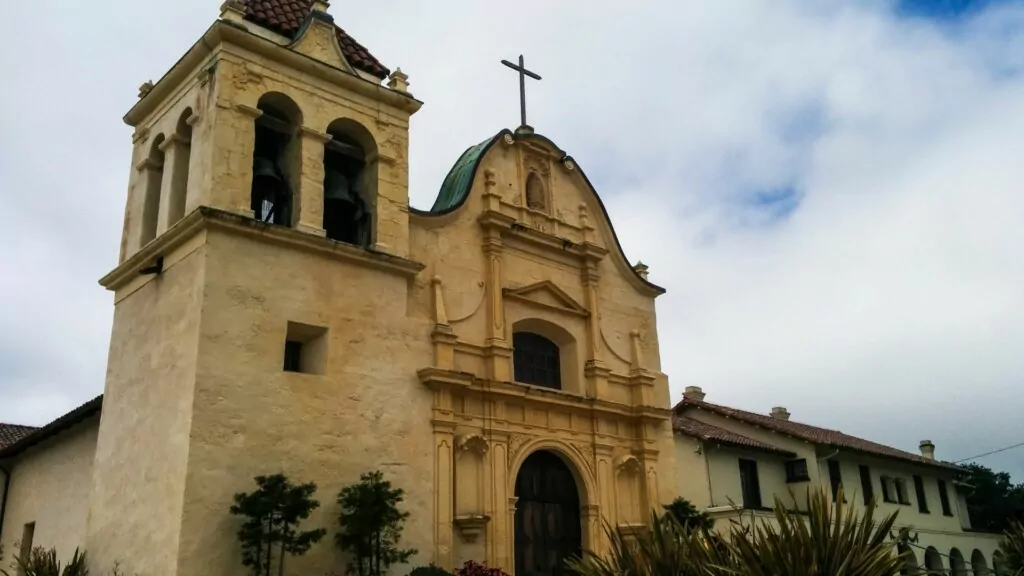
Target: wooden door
[547, 522]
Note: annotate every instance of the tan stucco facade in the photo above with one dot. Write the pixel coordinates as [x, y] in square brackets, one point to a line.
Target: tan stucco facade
[414, 361]
[49, 489]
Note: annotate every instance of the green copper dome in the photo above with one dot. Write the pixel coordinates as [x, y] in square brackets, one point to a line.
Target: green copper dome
[458, 182]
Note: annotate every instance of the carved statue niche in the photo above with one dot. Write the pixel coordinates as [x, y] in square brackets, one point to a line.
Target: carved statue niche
[537, 182]
[628, 480]
[471, 451]
[536, 199]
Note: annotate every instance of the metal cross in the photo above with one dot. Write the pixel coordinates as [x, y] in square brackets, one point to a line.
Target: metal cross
[523, 73]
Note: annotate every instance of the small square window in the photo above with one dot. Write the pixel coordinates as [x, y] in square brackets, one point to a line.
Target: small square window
[305, 348]
[796, 471]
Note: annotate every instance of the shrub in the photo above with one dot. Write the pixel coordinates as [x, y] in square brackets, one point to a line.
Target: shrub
[429, 570]
[473, 568]
[43, 562]
[371, 525]
[272, 513]
[818, 543]
[687, 514]
[1011, 549]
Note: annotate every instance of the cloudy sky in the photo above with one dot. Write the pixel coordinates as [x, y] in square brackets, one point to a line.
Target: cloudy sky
[830, 191]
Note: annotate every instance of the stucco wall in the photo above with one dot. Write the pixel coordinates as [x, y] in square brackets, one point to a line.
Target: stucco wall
[144, 430]
[50, 485]
[366, 411]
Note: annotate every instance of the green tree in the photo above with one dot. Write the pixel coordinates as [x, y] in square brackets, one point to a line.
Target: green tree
[371, 525]
[993, 499]
[687, 515]
[273, 512]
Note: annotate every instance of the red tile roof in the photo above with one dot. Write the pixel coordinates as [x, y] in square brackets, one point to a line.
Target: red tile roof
[37, 435]
[709, 433]
[287, 16]
[11, 433]
[815, 434]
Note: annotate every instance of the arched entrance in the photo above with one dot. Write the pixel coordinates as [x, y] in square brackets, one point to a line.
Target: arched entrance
[547, 521]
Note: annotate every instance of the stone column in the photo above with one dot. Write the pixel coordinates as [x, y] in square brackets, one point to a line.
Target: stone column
[510, 524]
[174, 188]
[308, 197]
[499, 538]
[146, 203]
[234, 137]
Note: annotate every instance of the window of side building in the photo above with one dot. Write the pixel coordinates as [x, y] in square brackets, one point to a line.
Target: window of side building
[750, 484]
[922, 499]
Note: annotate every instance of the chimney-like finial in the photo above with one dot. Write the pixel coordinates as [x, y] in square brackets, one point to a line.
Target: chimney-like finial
[928, 449]
[641, 269]
[146, 88]
[780, 413]
[399, 81]
[693, 393]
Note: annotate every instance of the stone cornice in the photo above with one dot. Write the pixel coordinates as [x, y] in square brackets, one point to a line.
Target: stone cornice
[233, 33]
[206, 218]
[438, 379]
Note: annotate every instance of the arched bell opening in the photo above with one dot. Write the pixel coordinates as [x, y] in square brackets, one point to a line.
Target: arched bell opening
[350, 183]
[275, 165]
[151, 201]
[182, 161]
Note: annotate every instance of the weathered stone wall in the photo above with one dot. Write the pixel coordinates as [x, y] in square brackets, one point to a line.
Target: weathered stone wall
[50, 486]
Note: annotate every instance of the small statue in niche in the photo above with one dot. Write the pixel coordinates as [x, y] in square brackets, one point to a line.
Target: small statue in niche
[536, 199]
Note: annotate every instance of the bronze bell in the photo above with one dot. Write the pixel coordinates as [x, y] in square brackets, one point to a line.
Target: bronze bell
[338, 188]
[264, 170]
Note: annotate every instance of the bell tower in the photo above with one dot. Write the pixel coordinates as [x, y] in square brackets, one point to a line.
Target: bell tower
[267, 207]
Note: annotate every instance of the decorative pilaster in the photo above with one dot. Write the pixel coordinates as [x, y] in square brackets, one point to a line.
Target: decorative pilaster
[499, 536]
[641, 381]
[444, 490]
[593, 536]
[308, 199]
[174, 187]
[499, 354]
[442, 336]
[594, 369]
[146, 203]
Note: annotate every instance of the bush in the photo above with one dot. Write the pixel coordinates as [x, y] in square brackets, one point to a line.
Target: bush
[429, 570]
[472, 568]
[43, 562]
[1011, 548]
[818, 543]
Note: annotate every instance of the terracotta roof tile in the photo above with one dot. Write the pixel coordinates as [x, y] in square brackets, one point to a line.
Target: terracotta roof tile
[708, 432]
[286, 17]
[815, 434]
[37, 435]
[11, 433]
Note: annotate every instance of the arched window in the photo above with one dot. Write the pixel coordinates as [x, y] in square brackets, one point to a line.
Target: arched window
[181, 157]
[999, 565]
[350, 181]
[536, 360]
[151, 201]
[978, 564]
[275, 166]
[957, 566]
[933, 561]
[536, 197]
[910, 565]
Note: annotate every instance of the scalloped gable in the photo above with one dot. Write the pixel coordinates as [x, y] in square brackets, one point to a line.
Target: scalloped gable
[458, 184]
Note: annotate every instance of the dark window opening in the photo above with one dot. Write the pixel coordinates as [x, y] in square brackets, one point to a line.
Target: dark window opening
[750, 484]
[796, 471]
[922, 500]
[270, 198]
[835, 477]
[865, 484]
[346, 211]
[292, 356]
[944, 499]
[887, 489]
[901, 491]
[536, 360]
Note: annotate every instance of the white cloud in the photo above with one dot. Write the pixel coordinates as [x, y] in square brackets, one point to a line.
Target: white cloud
[887, 304]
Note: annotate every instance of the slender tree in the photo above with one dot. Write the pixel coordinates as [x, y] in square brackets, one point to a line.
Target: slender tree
[371, 525]
[273, 512]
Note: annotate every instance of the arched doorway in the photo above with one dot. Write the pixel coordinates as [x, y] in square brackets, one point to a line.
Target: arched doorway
[547, 520]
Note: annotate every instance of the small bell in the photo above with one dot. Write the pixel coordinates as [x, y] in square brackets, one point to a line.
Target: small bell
[338, 188]
[267, 188]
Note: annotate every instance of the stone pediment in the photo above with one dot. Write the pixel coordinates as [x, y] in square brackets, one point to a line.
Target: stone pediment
[318, 39]
[547, 295]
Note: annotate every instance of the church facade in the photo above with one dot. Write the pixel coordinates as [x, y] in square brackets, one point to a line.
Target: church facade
[279, 307]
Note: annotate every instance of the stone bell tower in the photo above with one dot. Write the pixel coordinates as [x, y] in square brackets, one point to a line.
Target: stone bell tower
[266, 216]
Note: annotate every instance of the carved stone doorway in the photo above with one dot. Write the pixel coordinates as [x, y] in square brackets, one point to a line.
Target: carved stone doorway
[547, 521]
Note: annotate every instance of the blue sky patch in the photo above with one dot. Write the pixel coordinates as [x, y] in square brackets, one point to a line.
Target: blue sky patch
[944, 9]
